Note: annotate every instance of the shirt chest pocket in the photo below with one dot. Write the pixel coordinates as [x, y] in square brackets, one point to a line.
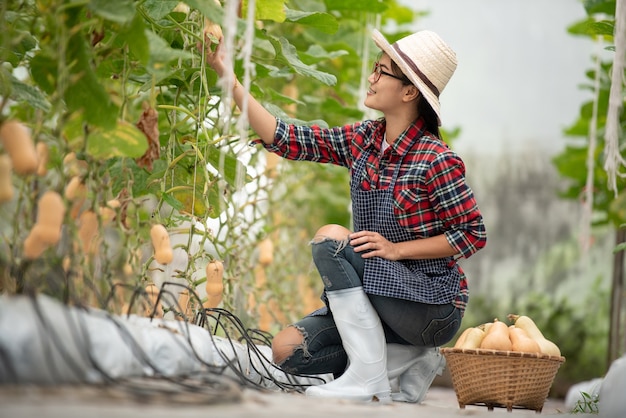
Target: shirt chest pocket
[413, 208]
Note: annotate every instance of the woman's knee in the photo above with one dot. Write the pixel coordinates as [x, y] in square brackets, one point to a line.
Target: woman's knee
[285, 343]
[331, 231]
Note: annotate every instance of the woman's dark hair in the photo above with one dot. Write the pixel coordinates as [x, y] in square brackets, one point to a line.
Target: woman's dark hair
[424, 108]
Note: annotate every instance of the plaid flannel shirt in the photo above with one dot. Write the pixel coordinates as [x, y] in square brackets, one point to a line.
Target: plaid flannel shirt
[431, 195]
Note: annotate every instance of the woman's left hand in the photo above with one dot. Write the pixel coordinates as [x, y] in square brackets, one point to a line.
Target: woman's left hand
[372, 244]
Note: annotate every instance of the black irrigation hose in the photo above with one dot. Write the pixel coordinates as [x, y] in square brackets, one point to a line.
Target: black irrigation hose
[211, 385]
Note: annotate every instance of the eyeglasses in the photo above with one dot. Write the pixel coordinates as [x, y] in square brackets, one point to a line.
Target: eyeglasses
[378, 72]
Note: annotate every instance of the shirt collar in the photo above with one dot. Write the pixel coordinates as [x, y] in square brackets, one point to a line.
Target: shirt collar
[409, 137]
[405, 141]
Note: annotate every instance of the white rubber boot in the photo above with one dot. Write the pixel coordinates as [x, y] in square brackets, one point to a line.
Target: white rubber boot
[363, 339]
[415, 369]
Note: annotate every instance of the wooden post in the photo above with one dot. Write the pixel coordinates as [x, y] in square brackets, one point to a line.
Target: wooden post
[617, 342]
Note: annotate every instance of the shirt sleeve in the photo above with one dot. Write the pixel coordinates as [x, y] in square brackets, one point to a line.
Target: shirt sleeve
[453, 201]
[313, 143]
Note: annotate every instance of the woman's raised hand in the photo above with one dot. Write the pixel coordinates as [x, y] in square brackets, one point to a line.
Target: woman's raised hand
[213, 48]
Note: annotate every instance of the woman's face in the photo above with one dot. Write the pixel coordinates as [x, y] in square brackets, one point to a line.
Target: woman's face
[385, 92]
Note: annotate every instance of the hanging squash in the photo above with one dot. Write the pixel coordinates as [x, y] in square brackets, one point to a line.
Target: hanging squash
[42, 158]
[214, 284]
[163, 253]
[153, 307]
[88, 231]
[6, 186]
[266, 252]
[19, 145]
[184, 304]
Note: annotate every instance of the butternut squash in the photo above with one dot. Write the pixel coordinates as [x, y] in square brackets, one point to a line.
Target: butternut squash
[47, 229]
[485, 327]
[108, 212]
[310, 300]
[34, 246]
[473, 339]
[76, 193]
[265, 318]
[251, 302]
[271, 164]
[520, 341]
[181, 8]
[186, 313]
[75, 189]
[6, 186]
[19, 145]
[153, 294]
[214, 284]
[461, 340]
[50, 213]
[266, 252]
[260, 278]
[212, 33]
[497, 338]
[42, 158]
[88, 231]
[163, 253]
[546, 346]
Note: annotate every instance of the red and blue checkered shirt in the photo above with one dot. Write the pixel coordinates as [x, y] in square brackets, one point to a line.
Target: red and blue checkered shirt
[431, 196]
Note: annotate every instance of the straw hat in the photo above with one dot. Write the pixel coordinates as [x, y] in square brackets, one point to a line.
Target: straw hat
[425, 59]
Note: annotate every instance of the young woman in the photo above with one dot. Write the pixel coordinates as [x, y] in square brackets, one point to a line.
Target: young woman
[393, 290]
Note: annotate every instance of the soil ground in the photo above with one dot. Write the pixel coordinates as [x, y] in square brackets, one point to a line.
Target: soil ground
[94, 401]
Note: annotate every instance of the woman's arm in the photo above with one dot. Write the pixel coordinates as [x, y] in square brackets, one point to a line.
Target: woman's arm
[372, 244]
[261, 121]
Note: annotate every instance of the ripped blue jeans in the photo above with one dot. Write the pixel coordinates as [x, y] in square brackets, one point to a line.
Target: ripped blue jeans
[404, 321]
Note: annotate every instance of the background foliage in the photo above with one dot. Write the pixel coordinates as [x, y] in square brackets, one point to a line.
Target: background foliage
[82, 76]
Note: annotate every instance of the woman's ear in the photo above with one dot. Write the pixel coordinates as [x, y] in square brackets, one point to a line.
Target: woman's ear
[411, 93]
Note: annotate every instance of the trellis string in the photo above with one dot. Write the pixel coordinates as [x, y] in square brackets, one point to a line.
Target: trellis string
[585, 235]
[613, 158]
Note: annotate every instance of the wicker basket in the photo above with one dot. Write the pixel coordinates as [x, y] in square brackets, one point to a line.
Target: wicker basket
[501, 378]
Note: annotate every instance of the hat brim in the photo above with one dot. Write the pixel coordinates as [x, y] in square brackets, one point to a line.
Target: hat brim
[386, 47]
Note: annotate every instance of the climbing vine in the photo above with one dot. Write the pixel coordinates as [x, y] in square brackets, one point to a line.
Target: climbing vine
[119, 95]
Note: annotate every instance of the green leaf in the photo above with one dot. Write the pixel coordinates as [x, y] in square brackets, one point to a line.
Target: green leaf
[20, 44]
[123, 141]
[161, 53]
[323, 21]
[135, 36]
[43, 70]
[126, 174]
[602, 28]
[29, 94]
[317, 52]
[120, 11]
[172, 201]
[266, 10]
[287, 54]
[158, 9]
[226, 163]
[208, 9]
[600, 6]
[85, 93]
[370, 6]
